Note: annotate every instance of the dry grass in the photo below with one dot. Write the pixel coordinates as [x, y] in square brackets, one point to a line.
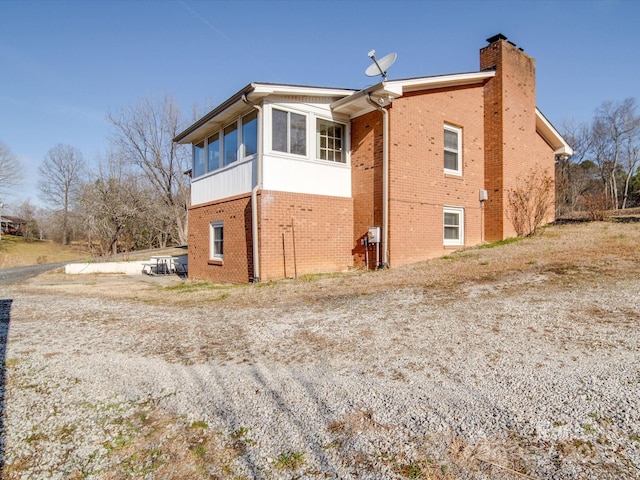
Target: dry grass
[15, 252]
[591, 249]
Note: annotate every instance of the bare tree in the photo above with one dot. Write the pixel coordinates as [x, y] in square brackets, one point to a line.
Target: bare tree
[144, 136]
[61, 174]
[29, 212]
[10, 170]
[113, 207]
[615, 125]
[574, 176]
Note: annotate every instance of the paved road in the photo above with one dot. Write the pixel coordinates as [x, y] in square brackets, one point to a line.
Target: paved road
[19, 274]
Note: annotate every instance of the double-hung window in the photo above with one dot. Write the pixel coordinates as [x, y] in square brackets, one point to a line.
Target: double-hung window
[288, 132]
[216, 238]
[330, 141]
[453, 226]
[452, 150]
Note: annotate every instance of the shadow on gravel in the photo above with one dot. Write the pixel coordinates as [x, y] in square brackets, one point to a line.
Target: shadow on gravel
[5, 317]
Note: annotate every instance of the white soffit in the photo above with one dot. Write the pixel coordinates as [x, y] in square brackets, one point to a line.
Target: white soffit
[551, 135]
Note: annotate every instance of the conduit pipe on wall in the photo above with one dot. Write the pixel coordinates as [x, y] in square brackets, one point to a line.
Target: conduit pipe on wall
[254, 194]
[385, 179]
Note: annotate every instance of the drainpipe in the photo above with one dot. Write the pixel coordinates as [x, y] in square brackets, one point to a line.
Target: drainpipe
[254, 195]
[385, 180]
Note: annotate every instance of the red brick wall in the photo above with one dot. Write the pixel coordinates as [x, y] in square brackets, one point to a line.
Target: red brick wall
[419, 188]
[237, 266]
[366, 180]
[513, 146]
[321, 227]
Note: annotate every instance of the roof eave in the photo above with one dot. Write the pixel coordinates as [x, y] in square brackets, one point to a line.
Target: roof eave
[254, 92]
[387, 91]
[552, 136]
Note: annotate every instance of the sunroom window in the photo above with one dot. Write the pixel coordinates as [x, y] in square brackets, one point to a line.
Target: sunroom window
[250, 134]
[213, 148]
[230, 144]
[330, 141]
[198, 159]
[288, 132]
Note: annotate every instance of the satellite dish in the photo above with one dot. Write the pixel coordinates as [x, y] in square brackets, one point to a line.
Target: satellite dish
[380, 67]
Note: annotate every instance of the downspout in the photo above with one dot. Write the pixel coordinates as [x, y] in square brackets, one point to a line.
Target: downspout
[385, 180]
[254, 195]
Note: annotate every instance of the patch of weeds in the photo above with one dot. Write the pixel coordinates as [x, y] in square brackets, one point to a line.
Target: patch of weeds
[199, 424]
[290, 460]
[199, 450]
[558, 424]
[410, 470]
[533, 261]
[500, 243]
[588, 428]
[634, 437]
[11, 362]
[241, 439]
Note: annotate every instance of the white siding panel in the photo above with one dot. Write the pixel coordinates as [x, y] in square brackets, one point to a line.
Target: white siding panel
[235, 179]
[300, 176]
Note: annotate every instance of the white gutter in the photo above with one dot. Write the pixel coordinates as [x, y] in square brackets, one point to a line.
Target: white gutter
[254, 195]
[385, 180]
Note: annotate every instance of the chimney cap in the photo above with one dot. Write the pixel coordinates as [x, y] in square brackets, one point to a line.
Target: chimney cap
[495, 38]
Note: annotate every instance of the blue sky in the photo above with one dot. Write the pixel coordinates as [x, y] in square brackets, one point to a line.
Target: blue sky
[65, 64]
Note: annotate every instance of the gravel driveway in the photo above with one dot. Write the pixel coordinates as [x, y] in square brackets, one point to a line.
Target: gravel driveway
[531, 374]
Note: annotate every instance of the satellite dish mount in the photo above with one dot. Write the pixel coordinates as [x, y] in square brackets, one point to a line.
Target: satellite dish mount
[380, 67]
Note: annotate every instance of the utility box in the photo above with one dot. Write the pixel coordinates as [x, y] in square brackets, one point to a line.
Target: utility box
[374, 234]
[484, 196]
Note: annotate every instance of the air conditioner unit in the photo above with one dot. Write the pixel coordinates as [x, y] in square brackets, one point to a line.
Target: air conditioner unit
[374, 234]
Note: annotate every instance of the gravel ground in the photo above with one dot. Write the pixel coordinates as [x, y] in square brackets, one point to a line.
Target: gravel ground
[535, 374]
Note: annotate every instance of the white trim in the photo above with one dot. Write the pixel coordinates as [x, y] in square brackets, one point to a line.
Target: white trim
[456, 211]
[551, 135]
[458, 132]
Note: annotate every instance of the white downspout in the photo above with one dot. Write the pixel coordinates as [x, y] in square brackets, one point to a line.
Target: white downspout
[254, 195]
[385, 180]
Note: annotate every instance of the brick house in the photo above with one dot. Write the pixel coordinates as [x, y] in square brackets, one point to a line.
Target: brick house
[290, 180]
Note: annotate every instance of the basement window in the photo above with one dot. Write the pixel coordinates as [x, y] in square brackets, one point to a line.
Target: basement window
[453, 226]
[216, 236]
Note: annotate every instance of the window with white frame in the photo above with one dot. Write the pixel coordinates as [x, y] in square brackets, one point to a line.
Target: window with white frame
[198, 159]
[330, 141]
[213, 149]
[452, 150]
[216, 236]
[288, 132]
[236, 141]
[250, 134]
[453, 226]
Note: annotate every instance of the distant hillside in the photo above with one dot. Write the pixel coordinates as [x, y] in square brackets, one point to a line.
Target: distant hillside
[15, 252]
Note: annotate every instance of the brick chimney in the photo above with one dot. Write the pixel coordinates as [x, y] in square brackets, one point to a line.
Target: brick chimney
[510, 127]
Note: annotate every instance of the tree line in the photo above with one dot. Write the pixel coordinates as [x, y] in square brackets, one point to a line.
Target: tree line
[602, 174]
[137, 195]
